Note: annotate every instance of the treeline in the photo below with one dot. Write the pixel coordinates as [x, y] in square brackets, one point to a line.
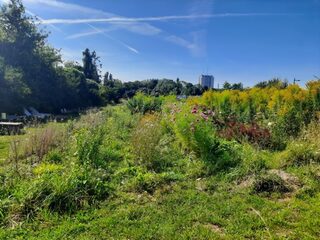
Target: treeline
[155, 87]
[274, 82]
[32, 72]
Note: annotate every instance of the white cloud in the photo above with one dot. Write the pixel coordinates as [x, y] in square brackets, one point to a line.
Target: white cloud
[69, 8]
[179, 41]
[121, 20]
[141, 25]
[197, 46]
[90, 33]
[41, 19]
[83, 34]
[132, 49]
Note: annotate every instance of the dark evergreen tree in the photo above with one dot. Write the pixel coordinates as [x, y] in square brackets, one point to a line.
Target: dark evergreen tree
[105, 78]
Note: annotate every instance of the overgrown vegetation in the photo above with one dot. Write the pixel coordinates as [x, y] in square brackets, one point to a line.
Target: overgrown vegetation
[231, 164]
[224, 165]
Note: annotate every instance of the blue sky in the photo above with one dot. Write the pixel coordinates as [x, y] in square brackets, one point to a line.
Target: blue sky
[234, 40]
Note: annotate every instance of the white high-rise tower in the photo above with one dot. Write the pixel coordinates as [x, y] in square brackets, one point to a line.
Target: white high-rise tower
[206, 81]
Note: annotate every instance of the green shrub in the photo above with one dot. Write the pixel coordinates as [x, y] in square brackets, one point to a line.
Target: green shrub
[125, 174]
[292, 121]
[217, 153]
[54, 156]
[108, 154]
[279, 137]
[141, 103]
[252, 162]
[183, 125]
[198, 135]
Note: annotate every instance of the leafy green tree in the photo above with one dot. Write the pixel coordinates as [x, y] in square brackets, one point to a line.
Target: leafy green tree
[237, 86]
[105, 78]
[226, 86]
[234, 86]
[13, 91]
[275, 82]
[76, 90]
[72, 64]
[23, 47]
[165, 87]
[91, 65]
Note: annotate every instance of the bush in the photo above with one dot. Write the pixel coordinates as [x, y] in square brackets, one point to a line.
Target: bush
[219, 154]
[279, 138]
[108, 154]
[253, 161]
[144, 104]
[4, 209]
[54, 156]
[292, 122]
[198, 135]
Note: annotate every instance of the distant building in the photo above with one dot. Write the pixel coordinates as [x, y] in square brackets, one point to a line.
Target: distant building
[206, 81]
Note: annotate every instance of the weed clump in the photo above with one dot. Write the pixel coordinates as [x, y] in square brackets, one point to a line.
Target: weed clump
[145, 138]
[149, 182]
[44, 140]
[62, 192]
[144, 104]
[270, 183]
[197, 134]
[88, 146]
[54, 156]
[299, 154]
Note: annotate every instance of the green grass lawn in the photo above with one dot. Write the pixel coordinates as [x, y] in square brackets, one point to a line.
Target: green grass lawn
[180, 211]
